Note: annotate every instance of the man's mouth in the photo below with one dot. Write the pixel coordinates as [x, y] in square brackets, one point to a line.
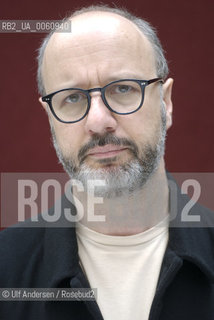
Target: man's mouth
[106, 151]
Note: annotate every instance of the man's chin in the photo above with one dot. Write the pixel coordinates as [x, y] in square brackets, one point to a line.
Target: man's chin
[111, 180]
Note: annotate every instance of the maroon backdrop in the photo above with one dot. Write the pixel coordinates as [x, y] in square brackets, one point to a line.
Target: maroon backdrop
[186, 32]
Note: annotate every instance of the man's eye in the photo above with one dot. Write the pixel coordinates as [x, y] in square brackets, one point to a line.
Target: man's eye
[123, 89]
[74, 98]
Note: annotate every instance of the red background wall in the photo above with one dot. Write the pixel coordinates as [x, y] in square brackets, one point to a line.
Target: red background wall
[185, 28]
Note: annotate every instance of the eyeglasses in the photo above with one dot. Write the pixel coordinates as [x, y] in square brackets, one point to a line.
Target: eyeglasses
[121, 97]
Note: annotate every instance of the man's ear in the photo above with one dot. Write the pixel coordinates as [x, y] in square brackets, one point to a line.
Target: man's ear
[44, 104]
[167, 98]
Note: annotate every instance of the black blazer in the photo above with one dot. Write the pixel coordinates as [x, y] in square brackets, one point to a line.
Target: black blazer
[47, 257]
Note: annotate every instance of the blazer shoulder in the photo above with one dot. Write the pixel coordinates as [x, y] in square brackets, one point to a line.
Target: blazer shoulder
[19, 246]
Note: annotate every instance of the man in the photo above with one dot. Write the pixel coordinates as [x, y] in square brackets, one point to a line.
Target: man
[109, 105]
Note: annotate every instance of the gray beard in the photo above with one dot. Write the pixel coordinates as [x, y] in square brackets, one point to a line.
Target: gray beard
[119, 180]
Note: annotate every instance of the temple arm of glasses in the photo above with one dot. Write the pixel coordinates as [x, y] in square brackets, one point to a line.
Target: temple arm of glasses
[155, 80]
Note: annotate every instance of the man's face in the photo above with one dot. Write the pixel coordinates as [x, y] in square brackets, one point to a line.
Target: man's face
[102, 48]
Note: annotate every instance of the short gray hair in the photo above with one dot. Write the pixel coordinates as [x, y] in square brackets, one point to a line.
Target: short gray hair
[144, 26]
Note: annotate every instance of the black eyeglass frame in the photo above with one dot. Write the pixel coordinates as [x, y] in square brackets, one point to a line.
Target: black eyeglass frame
[142, 83]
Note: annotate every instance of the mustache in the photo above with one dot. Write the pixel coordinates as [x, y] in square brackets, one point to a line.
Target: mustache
[101, 141]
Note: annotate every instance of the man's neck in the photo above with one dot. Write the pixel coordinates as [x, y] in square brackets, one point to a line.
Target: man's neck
[130, 214]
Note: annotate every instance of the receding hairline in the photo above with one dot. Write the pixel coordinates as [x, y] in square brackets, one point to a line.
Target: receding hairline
[141, 25]
[91, 15]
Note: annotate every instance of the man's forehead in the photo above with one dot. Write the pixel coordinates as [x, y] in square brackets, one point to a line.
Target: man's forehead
[98, 25]
[100, 44]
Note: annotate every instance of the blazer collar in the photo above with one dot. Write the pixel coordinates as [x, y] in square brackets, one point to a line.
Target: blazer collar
[193, 241]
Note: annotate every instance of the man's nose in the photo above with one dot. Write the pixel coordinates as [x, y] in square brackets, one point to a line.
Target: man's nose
[100, 119]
